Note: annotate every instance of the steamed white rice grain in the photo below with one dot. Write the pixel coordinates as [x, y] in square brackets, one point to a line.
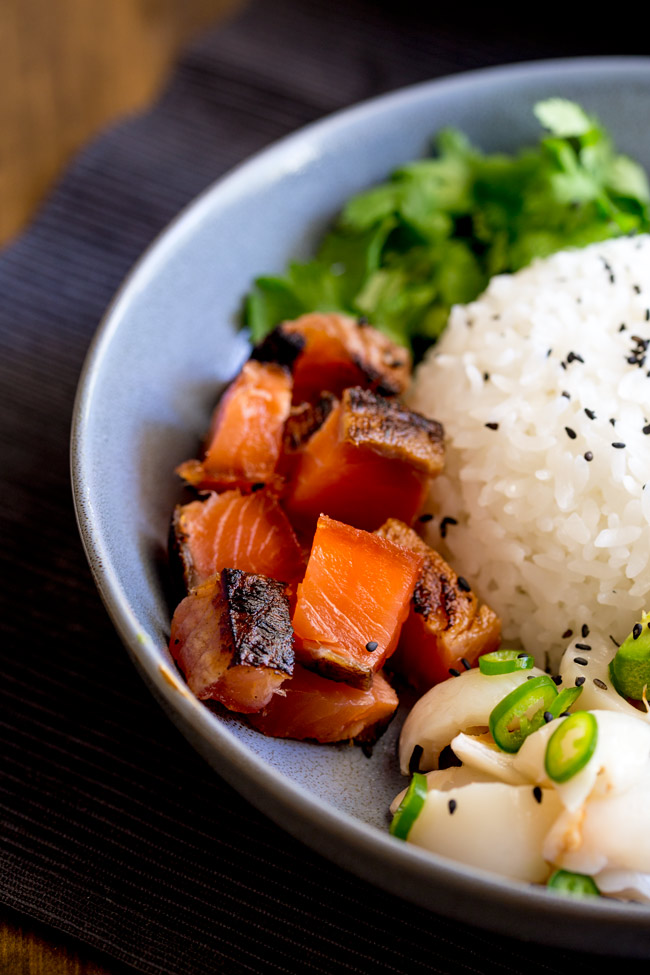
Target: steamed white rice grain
[537, 384]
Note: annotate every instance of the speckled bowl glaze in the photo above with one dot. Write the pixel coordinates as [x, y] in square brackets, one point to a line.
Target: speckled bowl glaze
[170, 340]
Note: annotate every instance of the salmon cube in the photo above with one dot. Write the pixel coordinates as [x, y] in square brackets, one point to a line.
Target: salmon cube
[371, 459]
[447, 629]
[327, 711]
[352, 602]
[330, 352]
[245, 437]
[238, 531]
[233, 640]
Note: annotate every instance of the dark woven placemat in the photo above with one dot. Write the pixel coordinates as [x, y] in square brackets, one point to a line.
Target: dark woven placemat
[113, 830]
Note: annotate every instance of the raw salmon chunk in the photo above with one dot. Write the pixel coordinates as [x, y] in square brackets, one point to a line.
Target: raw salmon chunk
[352, 602]
[232, 639]
[246, 432]
[371, 459]
[329, 352]
[446, 626]
[234, 530]
[314, 707]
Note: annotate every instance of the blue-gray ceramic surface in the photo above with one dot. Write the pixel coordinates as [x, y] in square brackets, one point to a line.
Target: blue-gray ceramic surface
[167, 345]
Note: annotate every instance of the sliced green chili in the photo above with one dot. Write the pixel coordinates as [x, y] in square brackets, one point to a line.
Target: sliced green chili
[564, 700]
[630, 668]
[410, 807]
[571, 746]
[577, 884]
[521, 712]
[504, 662]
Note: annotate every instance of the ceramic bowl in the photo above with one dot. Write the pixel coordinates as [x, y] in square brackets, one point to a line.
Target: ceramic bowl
[168, 344]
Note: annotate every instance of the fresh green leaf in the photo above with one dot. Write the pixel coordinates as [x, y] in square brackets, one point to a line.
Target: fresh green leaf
[626, 178]
[562, 117]
[271, 301]
[403, 252]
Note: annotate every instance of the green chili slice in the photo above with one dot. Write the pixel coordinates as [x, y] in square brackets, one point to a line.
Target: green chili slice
[564, 700]
[571, 746]
[410, 807]
[630, 669]
[504, 662]
[521, 712]
[577, 884]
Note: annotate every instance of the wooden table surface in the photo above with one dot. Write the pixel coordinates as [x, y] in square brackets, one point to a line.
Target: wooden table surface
[69, 67]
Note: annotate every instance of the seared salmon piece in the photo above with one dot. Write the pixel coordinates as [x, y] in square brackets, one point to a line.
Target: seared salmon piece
[371, 459]
[233, 640]
[352, 602]
[327, 711]
[234, 530]
[329, 352]
[446, 625]
[245, 436]
[304, 420]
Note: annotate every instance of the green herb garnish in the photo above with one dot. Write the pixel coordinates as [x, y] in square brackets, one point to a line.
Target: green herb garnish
[403, 252]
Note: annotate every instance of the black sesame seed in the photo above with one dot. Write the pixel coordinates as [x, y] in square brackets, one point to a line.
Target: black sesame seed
[637, 289]
[521, 656]
[600, 683]
[646, 429]
[647, 314]
[585, 630]
[531, 677]
[582, 646]
[637, 629]
[492, 426]
[590, 414]
[565, 714]
[565, 394]
[465, 662]
[443, 526]
[612, 420]
[452, 806]
[464, 584]
[557, 679]
[548, 352]
[548, 716]
[371, 646]
[622, 327]
[580, 681]
[574, 357]
[612, 279]
[454, 672]
[570, 433]
[580, 660]
[414, 760]
[589, 456]
[425, 517]
[618, 445]
[486, 376]
[563, 364]
[537, 792]
[567, 634]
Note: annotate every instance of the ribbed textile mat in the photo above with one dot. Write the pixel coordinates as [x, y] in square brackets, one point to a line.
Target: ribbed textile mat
[113, 830]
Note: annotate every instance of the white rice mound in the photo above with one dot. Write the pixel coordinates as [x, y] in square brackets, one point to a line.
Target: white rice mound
[543, 388]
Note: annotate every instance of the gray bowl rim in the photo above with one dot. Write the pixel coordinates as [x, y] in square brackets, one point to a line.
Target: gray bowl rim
[375, 856]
